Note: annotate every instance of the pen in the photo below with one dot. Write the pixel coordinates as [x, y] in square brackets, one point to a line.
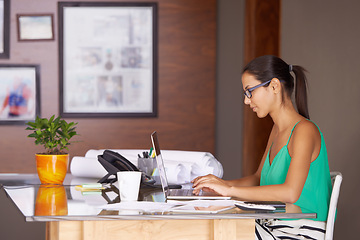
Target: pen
[151, 149]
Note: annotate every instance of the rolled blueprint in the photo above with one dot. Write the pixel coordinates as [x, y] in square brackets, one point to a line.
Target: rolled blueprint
[87, 167]
[181, 166]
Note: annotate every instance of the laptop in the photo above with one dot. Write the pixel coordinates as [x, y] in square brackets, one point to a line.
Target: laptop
[178, 194]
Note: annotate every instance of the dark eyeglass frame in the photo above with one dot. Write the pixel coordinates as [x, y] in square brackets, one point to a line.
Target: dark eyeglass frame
[247, 92]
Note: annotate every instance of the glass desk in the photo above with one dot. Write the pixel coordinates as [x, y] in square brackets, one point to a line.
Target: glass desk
[71, 214]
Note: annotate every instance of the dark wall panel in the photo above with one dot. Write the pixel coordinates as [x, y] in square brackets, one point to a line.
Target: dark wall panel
[262, 37]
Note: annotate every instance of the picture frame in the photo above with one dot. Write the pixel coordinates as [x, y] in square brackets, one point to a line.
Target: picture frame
[4, 29]
[110, 70]
[35, 27]
[19, 93]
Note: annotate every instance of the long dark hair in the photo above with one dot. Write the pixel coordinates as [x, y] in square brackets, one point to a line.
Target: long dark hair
[267, 67]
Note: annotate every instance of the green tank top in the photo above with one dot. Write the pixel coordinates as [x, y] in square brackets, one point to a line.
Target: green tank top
[315, 196]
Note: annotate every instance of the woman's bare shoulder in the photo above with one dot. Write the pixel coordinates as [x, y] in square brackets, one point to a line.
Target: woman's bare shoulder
[306, 129]
[307, 125]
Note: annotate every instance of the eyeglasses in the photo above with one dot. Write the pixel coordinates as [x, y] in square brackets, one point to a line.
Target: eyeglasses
[247, 92]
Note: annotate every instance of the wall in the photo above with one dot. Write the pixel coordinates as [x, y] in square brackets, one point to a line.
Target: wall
[322, 37]
[186, 87]
[229, 99]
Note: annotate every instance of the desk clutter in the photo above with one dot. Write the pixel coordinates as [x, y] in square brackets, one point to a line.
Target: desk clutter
[194, 206]
[180, 166]
[155, 202]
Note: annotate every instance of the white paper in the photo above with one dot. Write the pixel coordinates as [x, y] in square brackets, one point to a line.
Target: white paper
[205, 203]
[140, 206]
[87, 168]
[181, 166]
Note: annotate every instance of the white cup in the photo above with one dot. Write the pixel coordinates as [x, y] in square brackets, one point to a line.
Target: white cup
[129, 185]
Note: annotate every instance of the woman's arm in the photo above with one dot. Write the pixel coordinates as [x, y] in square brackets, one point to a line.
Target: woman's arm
[301, 149]
[252, 180]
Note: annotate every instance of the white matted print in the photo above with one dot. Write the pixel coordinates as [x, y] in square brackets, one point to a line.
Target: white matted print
[109, 69]
[4, 28]
[35, 27]
[19, 93]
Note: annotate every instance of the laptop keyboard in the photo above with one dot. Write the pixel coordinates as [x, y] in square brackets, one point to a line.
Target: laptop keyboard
[181, 192]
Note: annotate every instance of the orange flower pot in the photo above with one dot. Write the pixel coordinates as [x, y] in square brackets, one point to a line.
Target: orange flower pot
[51, 200]
[52, 168]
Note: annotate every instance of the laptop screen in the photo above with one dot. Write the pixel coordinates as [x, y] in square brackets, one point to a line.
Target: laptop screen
[160, 163]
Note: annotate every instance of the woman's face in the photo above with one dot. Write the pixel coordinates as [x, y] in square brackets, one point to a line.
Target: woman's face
[261, 99]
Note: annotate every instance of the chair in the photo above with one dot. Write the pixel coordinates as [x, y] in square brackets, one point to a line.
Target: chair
[336, 178]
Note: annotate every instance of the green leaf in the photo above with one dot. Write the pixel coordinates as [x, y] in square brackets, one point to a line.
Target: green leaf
[51, 118]
[53, 133]
[32, 135]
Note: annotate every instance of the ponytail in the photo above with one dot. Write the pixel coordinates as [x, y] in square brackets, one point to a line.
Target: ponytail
[300, 90]
[269, 66]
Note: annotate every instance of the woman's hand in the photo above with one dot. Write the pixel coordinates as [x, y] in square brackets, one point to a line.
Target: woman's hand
[210, 183]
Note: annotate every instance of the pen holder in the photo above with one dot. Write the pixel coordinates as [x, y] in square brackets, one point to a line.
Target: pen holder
[147, 165]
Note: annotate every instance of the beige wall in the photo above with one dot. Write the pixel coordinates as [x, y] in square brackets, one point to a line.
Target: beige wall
[229, 98]
[324, 36]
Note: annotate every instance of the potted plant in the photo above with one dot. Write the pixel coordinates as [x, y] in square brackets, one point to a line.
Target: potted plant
[54, 134]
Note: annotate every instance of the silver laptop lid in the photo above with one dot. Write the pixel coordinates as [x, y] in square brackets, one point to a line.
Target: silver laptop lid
[160, 164]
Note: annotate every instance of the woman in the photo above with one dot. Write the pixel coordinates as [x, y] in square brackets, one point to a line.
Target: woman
[294, 167]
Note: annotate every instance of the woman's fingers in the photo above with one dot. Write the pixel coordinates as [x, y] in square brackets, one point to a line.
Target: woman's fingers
[206, 189]
[204, 185]
[209, 183]
[200, 179]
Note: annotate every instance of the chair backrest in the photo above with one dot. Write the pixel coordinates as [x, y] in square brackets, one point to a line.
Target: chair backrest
[336, 178]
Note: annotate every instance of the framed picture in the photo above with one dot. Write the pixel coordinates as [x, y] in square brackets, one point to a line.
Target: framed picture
[35, 27]
[110, 69]
[4, 28]
[19, 93]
